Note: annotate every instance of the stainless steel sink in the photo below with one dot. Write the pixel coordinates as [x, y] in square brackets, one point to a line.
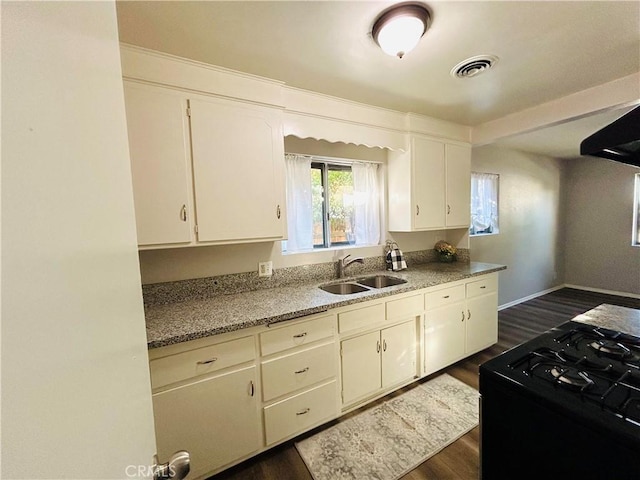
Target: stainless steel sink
[362, 284]
[344, 288]
[381, 281]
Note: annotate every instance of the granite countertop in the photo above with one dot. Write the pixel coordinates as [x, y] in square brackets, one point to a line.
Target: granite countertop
[613, 317]
[197, 318]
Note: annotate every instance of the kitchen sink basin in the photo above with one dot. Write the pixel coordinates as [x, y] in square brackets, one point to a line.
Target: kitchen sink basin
[362, 285]
[381, 281]
[344, 288]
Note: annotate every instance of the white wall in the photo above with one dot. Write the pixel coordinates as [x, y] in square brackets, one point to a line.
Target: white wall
[76, 396]
[530, 239]
[598, 198]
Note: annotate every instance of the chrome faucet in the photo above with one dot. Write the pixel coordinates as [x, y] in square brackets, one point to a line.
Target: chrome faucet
[343, 263]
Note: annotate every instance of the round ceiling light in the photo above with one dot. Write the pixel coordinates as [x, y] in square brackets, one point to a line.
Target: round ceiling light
[398, 30]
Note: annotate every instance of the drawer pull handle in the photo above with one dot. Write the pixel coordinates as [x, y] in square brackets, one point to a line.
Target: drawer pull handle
[378, 346]
[483, 286]
[252, 389]
[446, 296]
[207, 362]
[300, 335]
[462, 316]
[384, 345]
[306, 369]
[468, 314]
[303, 412]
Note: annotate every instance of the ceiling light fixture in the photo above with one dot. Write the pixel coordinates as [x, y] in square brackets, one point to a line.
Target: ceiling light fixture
[398, 30]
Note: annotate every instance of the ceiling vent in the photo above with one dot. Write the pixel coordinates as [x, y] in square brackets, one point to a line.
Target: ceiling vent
[473, 66]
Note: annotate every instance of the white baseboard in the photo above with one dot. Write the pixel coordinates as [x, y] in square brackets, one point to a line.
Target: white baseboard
[600, 290]
[530, 297]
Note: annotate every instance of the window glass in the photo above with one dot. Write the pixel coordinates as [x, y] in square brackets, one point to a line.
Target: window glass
[484, 203]
[333, 219]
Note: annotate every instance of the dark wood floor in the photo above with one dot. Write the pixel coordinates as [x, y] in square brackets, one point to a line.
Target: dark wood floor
[459, 461]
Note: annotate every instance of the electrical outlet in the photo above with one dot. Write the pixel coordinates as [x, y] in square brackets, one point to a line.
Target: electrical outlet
[265, 269]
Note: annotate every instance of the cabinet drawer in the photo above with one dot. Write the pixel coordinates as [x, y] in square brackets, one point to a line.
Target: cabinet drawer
[295, 371]
[485, 285]
[446, 296]
[200, 361]
[405, 307]
[361, 317]
[295, 335]
[300, 412]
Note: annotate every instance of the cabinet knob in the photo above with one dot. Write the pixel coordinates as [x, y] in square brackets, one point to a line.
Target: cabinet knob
[183, 213]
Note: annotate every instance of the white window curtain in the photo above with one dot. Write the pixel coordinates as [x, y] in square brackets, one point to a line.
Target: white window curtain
[484, 203]
[366, 199]
[299, 202]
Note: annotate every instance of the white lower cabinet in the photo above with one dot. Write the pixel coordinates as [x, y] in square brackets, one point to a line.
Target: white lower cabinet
[459, 320]
[299, 372]
[232, 396]
[300, 412]
[216, 419]
[377, 360]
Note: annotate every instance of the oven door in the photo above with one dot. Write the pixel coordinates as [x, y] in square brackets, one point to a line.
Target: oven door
[524, 436]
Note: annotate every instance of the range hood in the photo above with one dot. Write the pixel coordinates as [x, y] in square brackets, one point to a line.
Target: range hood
[619, 141]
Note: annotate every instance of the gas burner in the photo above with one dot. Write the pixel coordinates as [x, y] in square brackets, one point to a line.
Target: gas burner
[610, 348]
[571, 377]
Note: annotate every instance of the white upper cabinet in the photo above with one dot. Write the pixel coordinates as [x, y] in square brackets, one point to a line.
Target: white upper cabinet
[428, 183]
[238, 163]
[159, 149]
[232, 155]
[429, 186]
[458, 185]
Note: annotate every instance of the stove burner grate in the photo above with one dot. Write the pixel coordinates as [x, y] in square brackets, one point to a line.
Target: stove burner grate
[571, 377]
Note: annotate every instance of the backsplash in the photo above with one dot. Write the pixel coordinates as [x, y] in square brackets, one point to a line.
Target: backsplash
[201, 288]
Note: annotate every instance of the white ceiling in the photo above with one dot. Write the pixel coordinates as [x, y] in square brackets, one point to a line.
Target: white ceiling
[546, 49]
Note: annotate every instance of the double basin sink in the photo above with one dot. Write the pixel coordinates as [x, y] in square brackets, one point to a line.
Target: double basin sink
[362, 284]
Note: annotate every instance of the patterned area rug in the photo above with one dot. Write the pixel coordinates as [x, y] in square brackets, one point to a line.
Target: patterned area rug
[389, 440]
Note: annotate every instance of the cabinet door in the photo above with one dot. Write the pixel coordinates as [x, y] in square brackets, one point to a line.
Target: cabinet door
[238, 162]
[458, 186]
[398, 353]
[428, 183]
[360, 366]
[158, 145]
[444, 336]
[482, 322]
[216, 420]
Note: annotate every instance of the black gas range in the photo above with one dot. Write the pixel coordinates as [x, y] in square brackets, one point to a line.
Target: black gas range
[563, 405]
